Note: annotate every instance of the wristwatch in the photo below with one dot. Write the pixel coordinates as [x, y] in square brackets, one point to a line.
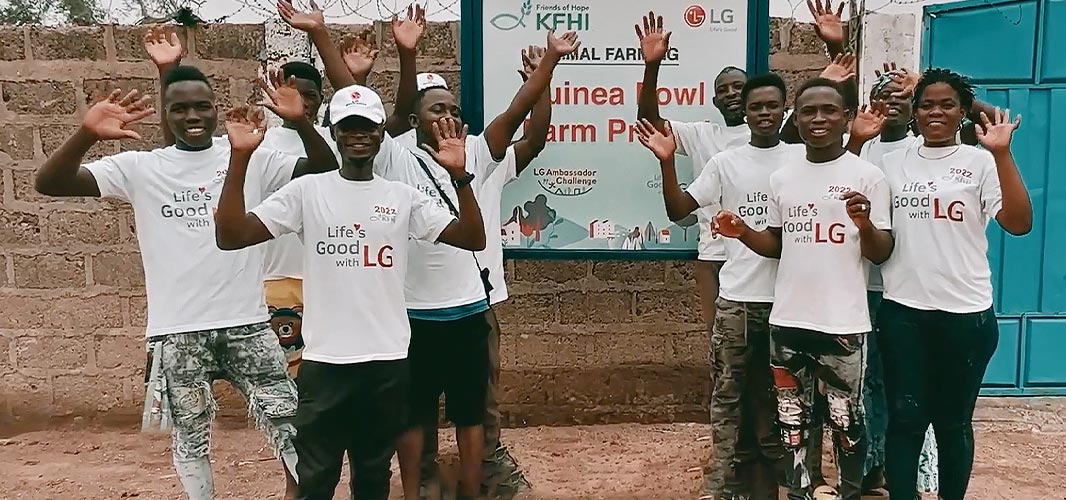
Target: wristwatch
[465, 181]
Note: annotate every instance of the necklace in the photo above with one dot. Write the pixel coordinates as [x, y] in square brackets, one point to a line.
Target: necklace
[953, 151]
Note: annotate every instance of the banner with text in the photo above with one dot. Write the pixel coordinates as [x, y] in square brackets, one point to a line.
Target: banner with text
[595, 187]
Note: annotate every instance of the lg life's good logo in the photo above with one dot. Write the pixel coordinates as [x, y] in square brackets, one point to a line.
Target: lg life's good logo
[560, 16]
[695, 16]
[566, 182]
[718, 20]
[345, 242]
[800, 225]
[754, 209]
[919, 200]
[190, 206]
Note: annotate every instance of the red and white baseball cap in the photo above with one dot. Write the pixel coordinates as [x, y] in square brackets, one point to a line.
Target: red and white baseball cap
[431, 81]
[356, 100]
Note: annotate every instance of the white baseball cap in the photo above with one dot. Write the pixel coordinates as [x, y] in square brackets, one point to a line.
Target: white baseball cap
[356, 100]
[431, 81]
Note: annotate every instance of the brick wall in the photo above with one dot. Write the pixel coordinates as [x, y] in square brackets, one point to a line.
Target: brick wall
[583, 341]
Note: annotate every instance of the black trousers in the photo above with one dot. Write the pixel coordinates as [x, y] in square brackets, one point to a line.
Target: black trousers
[359, 408]
[934, 363]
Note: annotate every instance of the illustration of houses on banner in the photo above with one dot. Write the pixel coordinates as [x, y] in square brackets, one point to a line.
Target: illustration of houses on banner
[601, 229]
[664, 236]
[511, 232]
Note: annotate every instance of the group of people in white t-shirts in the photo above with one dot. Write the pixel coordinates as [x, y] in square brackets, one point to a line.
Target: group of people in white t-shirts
[379, 276]
[843, 270]
[383, 261]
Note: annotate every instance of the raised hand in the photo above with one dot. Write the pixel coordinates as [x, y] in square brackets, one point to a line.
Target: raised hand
[303, 21]
[889, 68]
[451, 146]
[531, 58]
[827, 24]
[282, 96]
[841, 69]
[858, 207]
[869, 121]
[246, 127]
[729, 224]
[563, 45]
[661, 144]
[408, 32]
[995, 132]
[163, 46]
[108, 119]
[654, 43]
[906, 79]
[360, 54]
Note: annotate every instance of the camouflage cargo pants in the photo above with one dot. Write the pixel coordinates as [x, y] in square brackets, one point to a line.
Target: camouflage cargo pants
[799, 359]
[744, 434]
[250, 358]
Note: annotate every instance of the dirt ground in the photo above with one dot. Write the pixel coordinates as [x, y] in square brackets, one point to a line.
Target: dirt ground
[617, 462]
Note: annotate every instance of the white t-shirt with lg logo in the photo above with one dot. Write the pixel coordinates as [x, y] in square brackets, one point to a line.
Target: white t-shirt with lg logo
[440, 276]
[701, 141]
[821, 278]
[191, 284]
[355, 236]
[739, 181]
[940, 210]
[283, 257]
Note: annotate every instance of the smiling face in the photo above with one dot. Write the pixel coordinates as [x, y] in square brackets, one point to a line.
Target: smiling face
[191, 113]
[358, 139]
[821, 117]
[765, 111]
[939, 114]
[727, 88]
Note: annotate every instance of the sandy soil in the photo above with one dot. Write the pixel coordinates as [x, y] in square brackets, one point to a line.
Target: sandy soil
[616, 462]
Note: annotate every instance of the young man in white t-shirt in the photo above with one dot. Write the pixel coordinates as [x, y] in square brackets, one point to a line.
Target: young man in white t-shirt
[697, 140]
[205, 306]
[745, 448]
[356, 230]
[820, 317]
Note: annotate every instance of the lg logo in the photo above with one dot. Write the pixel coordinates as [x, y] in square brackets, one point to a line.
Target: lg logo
[695, 16]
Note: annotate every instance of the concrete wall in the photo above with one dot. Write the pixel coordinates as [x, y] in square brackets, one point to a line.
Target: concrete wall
[583, 341]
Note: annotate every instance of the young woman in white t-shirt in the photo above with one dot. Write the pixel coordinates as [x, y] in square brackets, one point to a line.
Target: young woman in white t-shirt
[937, 327]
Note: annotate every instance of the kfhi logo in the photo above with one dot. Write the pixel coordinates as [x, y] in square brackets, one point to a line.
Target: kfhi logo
[551, 16]
[508, 21]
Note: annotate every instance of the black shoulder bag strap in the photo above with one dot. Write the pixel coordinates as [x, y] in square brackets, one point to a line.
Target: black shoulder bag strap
[483, 271]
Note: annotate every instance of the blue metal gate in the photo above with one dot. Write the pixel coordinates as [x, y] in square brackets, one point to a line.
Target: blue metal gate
[1014, 52]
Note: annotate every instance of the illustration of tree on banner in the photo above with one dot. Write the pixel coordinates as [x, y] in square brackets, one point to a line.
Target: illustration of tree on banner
[649, 233]
[538, 215]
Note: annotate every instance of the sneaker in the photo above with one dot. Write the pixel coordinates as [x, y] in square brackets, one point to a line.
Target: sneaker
[502, 477]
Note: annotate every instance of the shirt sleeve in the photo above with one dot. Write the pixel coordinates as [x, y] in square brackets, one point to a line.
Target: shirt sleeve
[391, 152]
[508, 169]
[991, 193]
[113, 174]
[880, 196]
[428, 219]
[773, 217]
[282, 212]
[479, 160]
[707, 188]
[274, 167]
[687, 135]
